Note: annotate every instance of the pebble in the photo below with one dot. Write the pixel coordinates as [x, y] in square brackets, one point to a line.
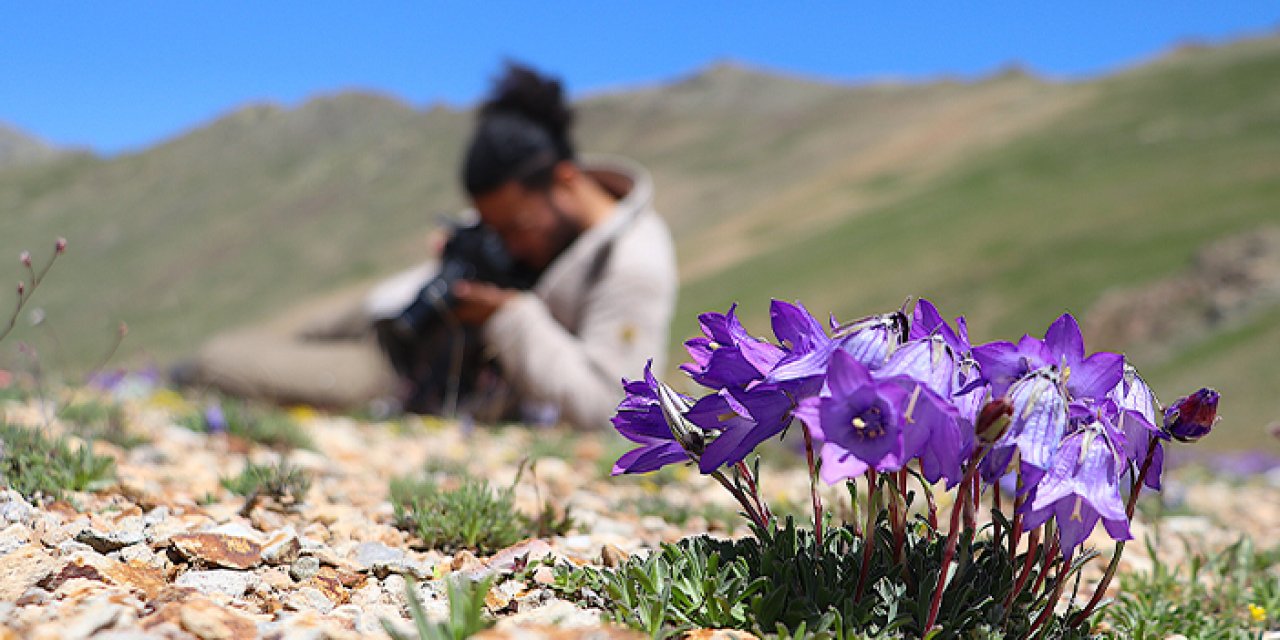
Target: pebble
[129, 531]
[224, 581]
[303, 568]
[281, 547]
[13, 508]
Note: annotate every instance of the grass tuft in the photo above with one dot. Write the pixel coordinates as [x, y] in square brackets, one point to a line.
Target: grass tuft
[42, 468]
[281, 482]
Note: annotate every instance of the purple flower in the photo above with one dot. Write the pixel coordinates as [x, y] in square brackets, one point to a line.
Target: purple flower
[1004, 363]
[927, 321]
[743, 419]
[928, 360]
[214, 420]
[1040, 378]
[1191, 418]
[726, 355]
[934, 431]
[869, 340]
[643, 417]
[859, 422]
[1137, 421]
[1082, 487]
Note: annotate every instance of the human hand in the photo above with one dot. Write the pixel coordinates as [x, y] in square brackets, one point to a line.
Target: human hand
[478, 300]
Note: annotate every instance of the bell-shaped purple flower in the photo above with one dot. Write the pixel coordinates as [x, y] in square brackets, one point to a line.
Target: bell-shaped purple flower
[1004, 363]
[859, 421]
[643, 417]
[1039, 420]
[726, 355]
[928, 360]
[1082, 487]
[1137, 406]
[934, 432]
[869, 340]
[1086, 378]
[743, 419]
[927, 321]
[796, 329]
[1190, 418]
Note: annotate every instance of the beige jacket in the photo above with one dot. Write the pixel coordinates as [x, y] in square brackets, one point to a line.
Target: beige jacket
[598, 312]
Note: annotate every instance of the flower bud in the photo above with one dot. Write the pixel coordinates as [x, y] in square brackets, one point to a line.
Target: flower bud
[22, 288]
[61, 245]
[1191, 418]
[993, 420]
[25, 258]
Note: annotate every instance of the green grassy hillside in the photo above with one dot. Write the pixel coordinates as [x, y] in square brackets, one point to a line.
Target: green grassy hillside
[1009, 199]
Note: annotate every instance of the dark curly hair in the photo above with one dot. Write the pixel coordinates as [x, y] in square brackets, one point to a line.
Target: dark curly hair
[522, 132]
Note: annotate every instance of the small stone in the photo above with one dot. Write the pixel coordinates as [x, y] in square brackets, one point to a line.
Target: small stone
[232, 552]
[142, 555]
[330, 582]
[92, 566]
[276, 579]
[719, 634]
[14, 509]
[22, 569]
[309, 598]
[224, 581]
[369, 554]
[94, 616]
[612, 557]
[281, 547]
[15, 536]
[467, 562]
[557, 613]
[518, 556]
[381, 561]
[208, 621]
[303, 568]
[128, 531]
[156, 516]
[544, 576]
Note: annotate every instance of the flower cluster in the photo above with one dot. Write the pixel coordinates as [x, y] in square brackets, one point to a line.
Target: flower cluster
[907, 391]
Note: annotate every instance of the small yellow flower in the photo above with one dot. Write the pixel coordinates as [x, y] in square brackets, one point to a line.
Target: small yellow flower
[1259, 614]
[303, 413]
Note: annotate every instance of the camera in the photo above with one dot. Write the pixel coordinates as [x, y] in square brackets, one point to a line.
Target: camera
[474, 253]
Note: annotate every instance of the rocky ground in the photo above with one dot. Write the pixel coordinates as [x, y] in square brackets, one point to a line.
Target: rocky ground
[166, 552]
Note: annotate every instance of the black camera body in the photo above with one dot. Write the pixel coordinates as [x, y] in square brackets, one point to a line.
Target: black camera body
[439, 358]
[474, 253]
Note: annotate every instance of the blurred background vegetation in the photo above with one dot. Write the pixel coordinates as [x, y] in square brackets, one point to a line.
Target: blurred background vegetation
[1147, 202]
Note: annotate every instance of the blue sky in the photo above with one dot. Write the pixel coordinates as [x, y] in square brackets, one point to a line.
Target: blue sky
[121, 76]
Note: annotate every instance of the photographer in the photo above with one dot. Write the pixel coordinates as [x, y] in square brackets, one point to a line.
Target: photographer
[567, 286]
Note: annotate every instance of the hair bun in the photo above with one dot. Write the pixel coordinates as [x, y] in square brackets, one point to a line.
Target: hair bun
[523, 91]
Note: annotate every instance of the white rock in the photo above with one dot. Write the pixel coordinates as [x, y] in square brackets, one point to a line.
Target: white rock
[309, 598]
[13, 508]
[16, 535]
[224, 581]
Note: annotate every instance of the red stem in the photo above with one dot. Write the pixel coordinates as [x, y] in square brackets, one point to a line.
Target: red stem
[869, 537]
[1101, 589]
[813, 488]
[952, 536]
[1032, 541]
